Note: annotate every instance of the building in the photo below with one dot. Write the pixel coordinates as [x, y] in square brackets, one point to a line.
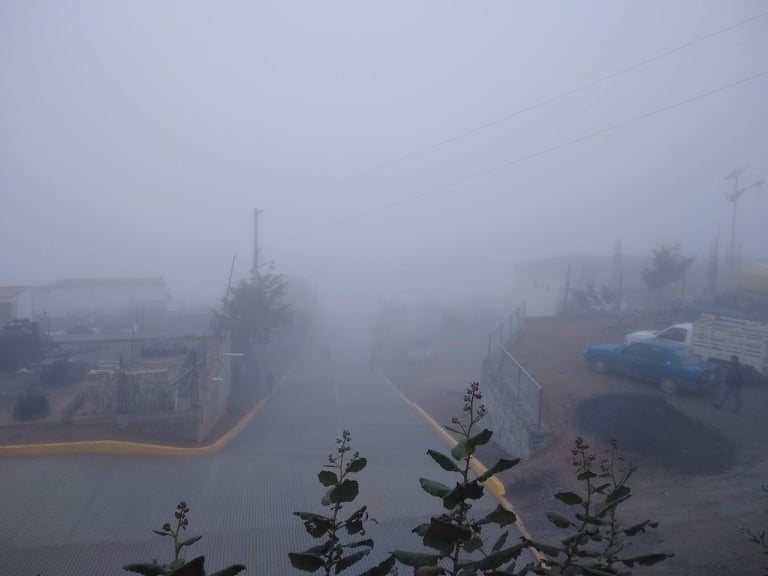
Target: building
[15, 303]
[75, 297]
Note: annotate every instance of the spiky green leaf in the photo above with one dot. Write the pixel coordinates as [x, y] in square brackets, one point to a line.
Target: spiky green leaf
[479, 439]
[548, 550]
[434, 488]
[351, 560]
[473, 545]
[306, 562]
[569, 498]
[190, 541]
[195, 567]
[367, 542]
[646, 559]
[344, 492]
[354, 523]
[357, 465]
[500, 466]
[328, 478]
[558, 520]
[230, 570]
[428, 571]
[145, 569]
[619, 494]
[500, 541]
[500, 516]
[321, 549]
[472, 490]
[496, 559]
[442, 532]
[459, 451]
[637, 528]
[381, 569]
[416, 559]
[444, 461]
[315, 524]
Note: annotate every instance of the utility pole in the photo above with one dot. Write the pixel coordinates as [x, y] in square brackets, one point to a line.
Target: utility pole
[734, 199]
[619, 271]
[256, 213]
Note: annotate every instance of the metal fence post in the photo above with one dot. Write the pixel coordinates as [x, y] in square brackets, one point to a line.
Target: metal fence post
[538, 422]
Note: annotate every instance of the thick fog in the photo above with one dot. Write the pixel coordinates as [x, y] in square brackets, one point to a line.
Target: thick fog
[414, 149]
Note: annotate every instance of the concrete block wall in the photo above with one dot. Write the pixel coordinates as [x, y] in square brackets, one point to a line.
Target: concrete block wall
[215, 387]
[514, 430]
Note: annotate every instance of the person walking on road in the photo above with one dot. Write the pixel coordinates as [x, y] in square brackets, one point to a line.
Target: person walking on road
[734, 377]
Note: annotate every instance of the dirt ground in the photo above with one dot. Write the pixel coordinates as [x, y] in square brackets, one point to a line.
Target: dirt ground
[699, 469]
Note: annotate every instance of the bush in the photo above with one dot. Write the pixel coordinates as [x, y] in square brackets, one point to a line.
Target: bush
[31, 405]
[57, 373]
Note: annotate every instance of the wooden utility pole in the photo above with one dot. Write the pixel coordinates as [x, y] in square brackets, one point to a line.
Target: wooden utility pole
[256, 213]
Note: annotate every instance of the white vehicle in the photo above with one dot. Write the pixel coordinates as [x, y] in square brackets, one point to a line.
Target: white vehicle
[678, 333]
[718, 338]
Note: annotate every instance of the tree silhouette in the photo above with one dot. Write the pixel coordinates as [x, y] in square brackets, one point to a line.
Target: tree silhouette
[255, 309]
[668, 266]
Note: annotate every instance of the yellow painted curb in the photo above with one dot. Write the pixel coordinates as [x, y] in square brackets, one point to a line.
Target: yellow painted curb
[125, 448]
[494, 485]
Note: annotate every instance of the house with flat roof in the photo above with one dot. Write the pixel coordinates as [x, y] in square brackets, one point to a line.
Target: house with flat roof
[15, 303]
[83, 296]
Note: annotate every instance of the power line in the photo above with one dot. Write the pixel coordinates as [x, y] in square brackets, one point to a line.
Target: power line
[533, 155]
[547, 101]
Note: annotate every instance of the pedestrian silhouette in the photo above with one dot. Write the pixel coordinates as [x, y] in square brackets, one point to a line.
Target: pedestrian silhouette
[734, 377]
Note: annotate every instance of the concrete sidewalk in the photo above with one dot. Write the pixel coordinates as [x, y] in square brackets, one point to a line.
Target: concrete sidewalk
[91, 514]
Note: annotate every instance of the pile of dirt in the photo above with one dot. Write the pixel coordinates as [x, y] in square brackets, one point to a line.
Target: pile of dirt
[656, 432]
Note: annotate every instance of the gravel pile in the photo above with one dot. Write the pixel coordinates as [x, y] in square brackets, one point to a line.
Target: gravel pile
[649, 429]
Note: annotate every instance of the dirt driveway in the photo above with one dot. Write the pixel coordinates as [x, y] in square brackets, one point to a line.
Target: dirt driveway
[700, 469]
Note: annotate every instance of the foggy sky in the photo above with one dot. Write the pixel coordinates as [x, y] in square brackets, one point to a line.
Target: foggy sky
[137, 137]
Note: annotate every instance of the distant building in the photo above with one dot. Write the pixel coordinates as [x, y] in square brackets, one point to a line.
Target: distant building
[542, 283]
[99, 296]
[15, 302]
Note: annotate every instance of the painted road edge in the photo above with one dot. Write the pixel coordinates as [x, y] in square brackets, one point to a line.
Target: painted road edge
[494, 485]
[126, 448]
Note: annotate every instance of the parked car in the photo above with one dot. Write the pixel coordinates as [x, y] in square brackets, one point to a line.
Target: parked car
[673, 365]
[677, 333]
[717, 338]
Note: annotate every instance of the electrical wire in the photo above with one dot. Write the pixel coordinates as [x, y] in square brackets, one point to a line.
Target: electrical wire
[547, 101]
[509, 163]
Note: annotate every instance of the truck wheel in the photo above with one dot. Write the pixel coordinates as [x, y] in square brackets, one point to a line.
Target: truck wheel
[599, 365]
[668, 386]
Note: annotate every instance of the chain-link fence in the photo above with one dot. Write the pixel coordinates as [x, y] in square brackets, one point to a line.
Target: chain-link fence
[518, 385]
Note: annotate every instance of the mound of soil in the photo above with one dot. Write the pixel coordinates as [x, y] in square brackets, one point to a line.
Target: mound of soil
[657, 432]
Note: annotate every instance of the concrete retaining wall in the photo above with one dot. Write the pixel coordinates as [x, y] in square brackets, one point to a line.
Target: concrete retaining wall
[214, 388]
[514, 428]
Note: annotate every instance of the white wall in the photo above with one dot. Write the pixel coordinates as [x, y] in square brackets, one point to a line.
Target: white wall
[64, 301]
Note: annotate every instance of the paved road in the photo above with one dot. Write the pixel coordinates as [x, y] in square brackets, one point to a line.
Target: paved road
[89, 515]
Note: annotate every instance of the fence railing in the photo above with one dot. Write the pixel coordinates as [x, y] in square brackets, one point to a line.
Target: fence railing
[506, 332]
[508, 371]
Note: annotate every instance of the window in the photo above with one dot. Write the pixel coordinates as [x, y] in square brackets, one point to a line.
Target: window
[677, 334]
[635, 351]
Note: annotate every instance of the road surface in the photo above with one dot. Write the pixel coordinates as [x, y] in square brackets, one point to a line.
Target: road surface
[91, 514]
